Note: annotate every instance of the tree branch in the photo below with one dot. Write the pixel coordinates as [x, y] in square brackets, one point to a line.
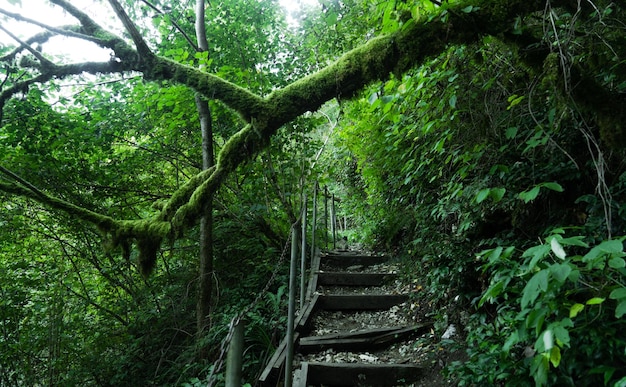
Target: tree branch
[375, 60]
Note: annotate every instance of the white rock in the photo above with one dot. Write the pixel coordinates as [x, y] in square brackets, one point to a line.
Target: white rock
[451, 331]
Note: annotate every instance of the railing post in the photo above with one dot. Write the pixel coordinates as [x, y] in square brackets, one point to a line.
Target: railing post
[326, 217]
[314, 220]
[303, 256]
[333, 222]
[292, 307]
[234, 358]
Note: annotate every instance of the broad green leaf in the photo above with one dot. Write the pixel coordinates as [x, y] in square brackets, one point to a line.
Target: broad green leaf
[492, 292]
[560, 271]
[537, 253]
[595, 301]
[497, 194]
[618, 294]
[606, 247]
[537, 284]
[511, 341]
[539, 368]
[575, 309]
[621, 309]
[617, 263]
[529, 196]
[482, 195]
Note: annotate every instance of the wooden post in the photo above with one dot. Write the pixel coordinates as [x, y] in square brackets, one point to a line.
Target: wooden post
[333, 222]
[303, 253]
[314, 226]
[292, 307]
[234, 358]
[326, 217]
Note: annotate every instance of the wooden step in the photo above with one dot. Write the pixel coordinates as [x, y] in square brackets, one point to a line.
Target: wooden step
[353, 279]
[359, 374]
[360, 301]
[343, 261]
[369, 339]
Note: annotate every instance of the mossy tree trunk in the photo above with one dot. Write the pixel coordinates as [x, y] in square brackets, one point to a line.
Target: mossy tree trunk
[205, 272]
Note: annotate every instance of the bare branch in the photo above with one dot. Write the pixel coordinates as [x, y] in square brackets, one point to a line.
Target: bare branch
[140, 43]
[176, 25]
[64, 31]
[37, 54]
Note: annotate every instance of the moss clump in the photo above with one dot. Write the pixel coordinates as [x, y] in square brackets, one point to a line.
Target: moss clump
[148, 248]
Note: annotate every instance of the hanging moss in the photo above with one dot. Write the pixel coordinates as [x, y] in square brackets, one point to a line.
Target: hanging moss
[148, 248]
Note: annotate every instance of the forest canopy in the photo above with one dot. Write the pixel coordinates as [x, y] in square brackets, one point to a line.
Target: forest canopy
[456, 128]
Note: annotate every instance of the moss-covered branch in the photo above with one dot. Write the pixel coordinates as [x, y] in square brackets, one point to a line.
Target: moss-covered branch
[375, 60]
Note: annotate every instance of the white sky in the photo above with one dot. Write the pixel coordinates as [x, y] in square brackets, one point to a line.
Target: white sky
[77, 49]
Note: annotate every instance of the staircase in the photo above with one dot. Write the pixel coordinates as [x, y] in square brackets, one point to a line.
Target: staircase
[356, 328]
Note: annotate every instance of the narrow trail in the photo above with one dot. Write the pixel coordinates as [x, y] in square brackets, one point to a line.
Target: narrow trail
[357, 328]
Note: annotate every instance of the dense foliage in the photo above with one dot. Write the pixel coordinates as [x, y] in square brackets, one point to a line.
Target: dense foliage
[494, 168]
[486, 170]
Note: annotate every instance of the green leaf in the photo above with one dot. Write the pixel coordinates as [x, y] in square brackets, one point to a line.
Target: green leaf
[575, 309]
[452, 101]
[539, 368]
[557, 249]
[494, 291]
[514, 100]
[621, 309]
[538, 253]
[529, 196]
[482, 195]
[537, 284]
[595, 301]
[606, 247]
[555, 356]
[553, 186]
[618, 294]
[617, 263]
[511, 132]
[560, 271]
[497, 194]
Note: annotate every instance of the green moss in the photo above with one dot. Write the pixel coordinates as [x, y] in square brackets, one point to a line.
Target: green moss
[148, 248]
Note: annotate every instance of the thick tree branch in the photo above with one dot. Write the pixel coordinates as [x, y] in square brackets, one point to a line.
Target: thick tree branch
[23, 188]
[395, 53]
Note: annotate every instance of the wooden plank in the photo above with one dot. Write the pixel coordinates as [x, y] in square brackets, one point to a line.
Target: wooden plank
[302, 376]
[305, 321]
[353, 279]
[359, 374]
[275, 366]
[352, 260]
[313, 279]
[365, 340]
[360, 302]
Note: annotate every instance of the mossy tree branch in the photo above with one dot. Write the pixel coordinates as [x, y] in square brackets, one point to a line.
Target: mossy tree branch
[375, 60]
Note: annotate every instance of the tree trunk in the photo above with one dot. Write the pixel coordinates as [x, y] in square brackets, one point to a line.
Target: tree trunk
[205, 275]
